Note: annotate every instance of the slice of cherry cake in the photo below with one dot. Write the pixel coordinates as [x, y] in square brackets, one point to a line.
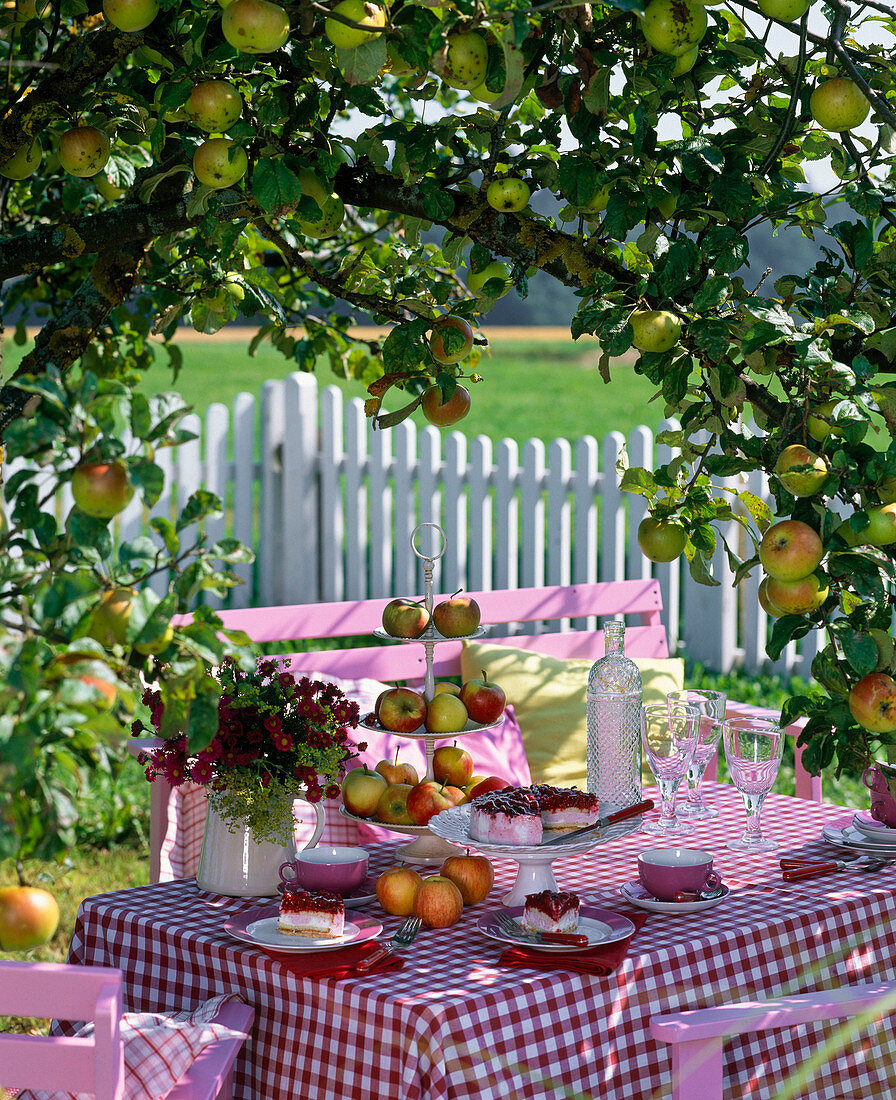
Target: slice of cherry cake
[565, 807]
[551, 911]
[508, 817]
[311, 913]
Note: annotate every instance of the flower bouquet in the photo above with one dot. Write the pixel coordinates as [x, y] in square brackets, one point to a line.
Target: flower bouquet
[278, 739]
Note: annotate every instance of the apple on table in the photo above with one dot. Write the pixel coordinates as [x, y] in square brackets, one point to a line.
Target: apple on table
[473, 875]
[438, 902]
[396, 889]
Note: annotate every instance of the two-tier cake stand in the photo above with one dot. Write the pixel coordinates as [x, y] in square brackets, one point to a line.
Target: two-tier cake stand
[426, 849]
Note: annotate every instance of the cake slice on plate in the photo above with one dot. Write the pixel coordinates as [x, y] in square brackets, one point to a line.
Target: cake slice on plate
[508, 817]
[311, 913]
[551, 911]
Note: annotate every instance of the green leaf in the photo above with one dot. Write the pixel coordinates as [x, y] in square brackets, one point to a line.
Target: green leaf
[362, 65]
[578, 179]
[275, 185]
[860, 651]
[405, 347]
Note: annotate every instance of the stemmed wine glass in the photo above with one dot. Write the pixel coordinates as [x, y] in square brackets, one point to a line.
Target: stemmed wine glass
[711, 705]
[669, 734]
[753, 748]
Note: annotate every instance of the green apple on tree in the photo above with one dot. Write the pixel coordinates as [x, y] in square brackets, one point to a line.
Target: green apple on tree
[220, 162]
[598, 200]
[367, 14]
[83, 151]
[785, 11]
[255, 26]
[466, 60]
[477, 280]
[214, 106]
[880, 531]
[661, 539]
[790, 550]
[765, 601]
[685, 61]
[673, 27]
[130, 15]
[111, 192]
[838, 104]
[332, 215]
[654, 329]
[102, 489]
[508, 194]
[801, 472]
[798, 597]
[23, 163]
[28, 917]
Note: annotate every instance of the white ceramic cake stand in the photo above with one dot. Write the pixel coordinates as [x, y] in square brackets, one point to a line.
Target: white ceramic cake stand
[535, 870]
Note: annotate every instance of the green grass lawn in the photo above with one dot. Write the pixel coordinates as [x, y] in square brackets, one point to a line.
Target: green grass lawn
[530, 388]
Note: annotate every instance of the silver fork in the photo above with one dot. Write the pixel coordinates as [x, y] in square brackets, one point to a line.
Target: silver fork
[403, 938]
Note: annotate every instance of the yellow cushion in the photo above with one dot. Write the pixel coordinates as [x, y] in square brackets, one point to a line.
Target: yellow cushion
[548, 694]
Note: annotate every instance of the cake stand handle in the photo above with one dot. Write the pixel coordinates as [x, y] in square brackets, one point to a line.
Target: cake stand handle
[534, 876]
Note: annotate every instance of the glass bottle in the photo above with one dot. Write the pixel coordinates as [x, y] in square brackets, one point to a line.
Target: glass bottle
[613, 709]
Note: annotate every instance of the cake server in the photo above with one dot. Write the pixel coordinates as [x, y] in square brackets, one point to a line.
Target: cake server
[602, 823]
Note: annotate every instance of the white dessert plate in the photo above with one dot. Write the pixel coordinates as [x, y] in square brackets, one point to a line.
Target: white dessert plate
[601, 926]
[635, 894]
[851, 837]
[259, 927]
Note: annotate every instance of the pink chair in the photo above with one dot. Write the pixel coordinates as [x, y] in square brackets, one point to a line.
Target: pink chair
[96, 1064]
[697, 1036]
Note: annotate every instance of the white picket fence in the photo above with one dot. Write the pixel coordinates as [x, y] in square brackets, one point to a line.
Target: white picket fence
[329, 506]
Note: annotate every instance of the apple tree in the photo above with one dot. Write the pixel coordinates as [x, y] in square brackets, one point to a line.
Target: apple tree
[299, 166]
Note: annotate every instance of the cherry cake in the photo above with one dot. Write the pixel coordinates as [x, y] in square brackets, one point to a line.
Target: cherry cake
[519, 816]
[311, 913]
[551, 911]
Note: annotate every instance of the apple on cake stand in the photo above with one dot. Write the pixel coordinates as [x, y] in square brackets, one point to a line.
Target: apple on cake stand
[417, 623]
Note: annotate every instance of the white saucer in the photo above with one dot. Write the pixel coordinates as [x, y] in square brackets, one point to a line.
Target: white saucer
[601, 926]
[851, 837]
[873, 829]
[635, 894]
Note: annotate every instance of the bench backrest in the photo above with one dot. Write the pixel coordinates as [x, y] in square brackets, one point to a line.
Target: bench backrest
[521, 617]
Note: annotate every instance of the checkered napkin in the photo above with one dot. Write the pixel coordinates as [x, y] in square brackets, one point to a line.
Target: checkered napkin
[159, 1048]
[599, 961]
[339, 963]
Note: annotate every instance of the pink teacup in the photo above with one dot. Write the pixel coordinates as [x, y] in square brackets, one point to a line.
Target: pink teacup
[334, 869]
[665, 872]
[883, 805]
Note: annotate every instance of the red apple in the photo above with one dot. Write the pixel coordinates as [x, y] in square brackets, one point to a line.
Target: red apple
[790, 550]
[451, 339]
[457, 616]
[445, 713]
[393, 772]
[440, 412]
[484, 699]
[428, 799]
[474, 876]
[392, 808]
[403, 618]
[765, 603]
[28, 917]
[801, 471]
[402, 710]
[361, 790]
[452, 764]
[872, 702]
[490, 783]
[438, 902]
[102, 489]
[396, 889]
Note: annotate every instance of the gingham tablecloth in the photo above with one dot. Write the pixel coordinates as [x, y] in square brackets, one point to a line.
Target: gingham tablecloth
[454, 1024]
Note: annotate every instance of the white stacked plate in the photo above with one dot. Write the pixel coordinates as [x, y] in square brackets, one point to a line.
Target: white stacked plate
[862, 838]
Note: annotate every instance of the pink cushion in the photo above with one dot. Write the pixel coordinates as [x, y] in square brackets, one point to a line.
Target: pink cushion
[499, 751]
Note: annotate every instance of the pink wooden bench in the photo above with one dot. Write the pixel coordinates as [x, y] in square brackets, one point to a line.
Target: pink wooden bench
[96, 1064]
[521, 618]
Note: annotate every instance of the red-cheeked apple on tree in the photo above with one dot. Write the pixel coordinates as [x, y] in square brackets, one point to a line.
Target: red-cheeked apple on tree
[127, 213]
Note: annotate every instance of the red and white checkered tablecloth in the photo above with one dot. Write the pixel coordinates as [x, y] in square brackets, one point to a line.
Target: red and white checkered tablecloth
[453, 1024]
